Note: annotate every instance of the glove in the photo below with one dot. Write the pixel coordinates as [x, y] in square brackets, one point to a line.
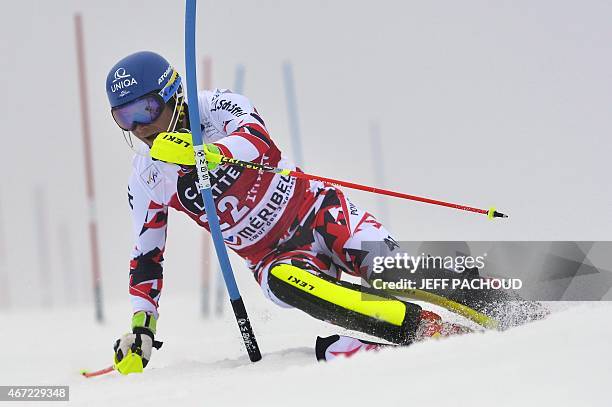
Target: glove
[133, 350]
[177, 148]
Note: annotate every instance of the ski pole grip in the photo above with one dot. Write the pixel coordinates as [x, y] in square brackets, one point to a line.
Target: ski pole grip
[245, 329]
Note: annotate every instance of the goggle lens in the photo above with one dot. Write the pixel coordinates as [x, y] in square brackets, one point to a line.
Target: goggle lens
[144, 110]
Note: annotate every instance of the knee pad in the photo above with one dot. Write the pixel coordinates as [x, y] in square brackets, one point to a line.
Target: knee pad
[344, 304]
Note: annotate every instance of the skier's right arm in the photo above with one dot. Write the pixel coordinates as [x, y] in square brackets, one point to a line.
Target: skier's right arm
[149, 221]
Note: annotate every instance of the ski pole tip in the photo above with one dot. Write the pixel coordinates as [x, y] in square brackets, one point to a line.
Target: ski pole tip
[494, 214]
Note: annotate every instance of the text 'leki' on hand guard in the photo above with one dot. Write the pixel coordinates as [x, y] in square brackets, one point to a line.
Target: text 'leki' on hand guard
[177, 148]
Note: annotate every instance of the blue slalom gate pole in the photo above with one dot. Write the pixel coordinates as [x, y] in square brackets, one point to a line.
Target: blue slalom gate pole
[205, 188]
[239, 80]
[379, 170]
[294, 127]
[219, 291]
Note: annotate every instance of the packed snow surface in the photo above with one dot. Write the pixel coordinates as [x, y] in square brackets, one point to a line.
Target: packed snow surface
[564, 360]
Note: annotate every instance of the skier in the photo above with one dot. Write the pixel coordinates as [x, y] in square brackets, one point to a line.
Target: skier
[292, 233]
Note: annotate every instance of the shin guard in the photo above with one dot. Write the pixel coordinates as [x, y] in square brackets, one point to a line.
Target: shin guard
[344, 304]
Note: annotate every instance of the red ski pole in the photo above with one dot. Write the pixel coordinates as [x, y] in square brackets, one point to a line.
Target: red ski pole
[212, 157]
[95, 373]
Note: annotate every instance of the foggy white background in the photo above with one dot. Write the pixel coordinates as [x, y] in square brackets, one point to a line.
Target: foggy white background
[483, 103]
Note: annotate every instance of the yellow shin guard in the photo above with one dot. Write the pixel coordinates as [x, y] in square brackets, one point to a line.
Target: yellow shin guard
[344, 304]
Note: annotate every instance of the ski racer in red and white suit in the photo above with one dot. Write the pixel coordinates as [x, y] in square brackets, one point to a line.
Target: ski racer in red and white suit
[265, 218]
[296, 236]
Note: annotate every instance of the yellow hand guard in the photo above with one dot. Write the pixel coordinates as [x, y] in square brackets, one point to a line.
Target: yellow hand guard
[177, 148]
[131, 363]
[133, 350]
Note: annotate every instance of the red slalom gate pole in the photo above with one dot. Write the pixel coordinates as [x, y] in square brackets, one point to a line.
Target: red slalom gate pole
[4, 277]
[207, 72]
[89, 177]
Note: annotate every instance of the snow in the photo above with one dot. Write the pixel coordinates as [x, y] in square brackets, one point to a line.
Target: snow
[562, 360]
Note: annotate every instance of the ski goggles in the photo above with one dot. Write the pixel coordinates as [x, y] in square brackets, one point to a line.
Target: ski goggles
[144, 110]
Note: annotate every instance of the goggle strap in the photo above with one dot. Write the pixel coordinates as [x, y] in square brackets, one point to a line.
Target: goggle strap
[176, 112]
[171, 87]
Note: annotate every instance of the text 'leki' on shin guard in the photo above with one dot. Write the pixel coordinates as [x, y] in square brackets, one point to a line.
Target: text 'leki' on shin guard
[344, 304]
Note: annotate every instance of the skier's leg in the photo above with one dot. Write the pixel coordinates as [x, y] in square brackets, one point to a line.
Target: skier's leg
[300, 272]
[351, 236]
[352, 306]
[344, 228]
[341, 303]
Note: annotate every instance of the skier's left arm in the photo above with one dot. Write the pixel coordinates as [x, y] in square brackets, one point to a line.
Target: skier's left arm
[247, 137]
[243, 134]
